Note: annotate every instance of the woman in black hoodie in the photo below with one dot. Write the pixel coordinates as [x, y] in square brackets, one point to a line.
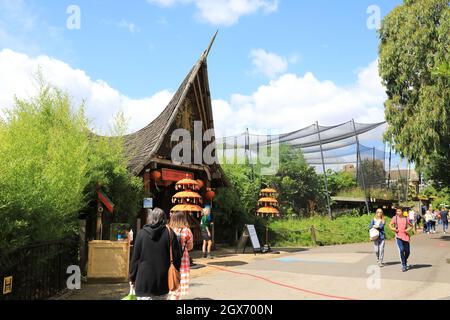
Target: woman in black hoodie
[151, 258]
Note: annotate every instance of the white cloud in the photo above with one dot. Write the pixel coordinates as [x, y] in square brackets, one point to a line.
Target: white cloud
[292, 102]
[223, 12]
[285, 104]
[102, 101]
[130, 26]
[269, 64]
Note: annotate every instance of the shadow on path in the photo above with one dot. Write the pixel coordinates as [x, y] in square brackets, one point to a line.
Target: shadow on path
[420, 266]
[228, 263]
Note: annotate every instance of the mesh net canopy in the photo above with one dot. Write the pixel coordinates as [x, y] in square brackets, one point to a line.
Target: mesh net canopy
[324, 147]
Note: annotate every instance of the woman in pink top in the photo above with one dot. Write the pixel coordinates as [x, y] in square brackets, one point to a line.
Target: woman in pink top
[179, 224]
[401, 226]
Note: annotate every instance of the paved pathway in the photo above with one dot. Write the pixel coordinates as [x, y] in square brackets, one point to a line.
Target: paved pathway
[335, 272]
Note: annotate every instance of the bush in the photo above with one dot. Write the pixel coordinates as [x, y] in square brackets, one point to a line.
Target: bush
[50, 164]
[345, 229]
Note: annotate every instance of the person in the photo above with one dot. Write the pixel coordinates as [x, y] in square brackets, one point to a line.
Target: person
[205, 226]
[401, 226]
[179, 224]
[412, 217]
[149, 266]
[433, 221]
[378, 222]
[444, 219]
[428, 219]
[418, 219]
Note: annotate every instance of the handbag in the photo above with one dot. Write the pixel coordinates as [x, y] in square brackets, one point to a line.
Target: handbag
[131, 295]
[174, 275]
[374, 234]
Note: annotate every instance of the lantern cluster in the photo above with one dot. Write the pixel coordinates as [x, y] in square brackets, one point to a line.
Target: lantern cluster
[268, 204]
[187, 199]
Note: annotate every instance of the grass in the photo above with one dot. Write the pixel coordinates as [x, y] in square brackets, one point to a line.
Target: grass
[343, 230]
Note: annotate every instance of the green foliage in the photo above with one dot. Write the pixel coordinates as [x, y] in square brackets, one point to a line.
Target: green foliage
[109, 169]
[441, 197]
[357, 192]
[345, 229]
[44, 156]
[339, 181]
[230, 215]
[442, 70]
[414, 44]
[50, 164]
[297, 183]
[373, 172]
[236, 206]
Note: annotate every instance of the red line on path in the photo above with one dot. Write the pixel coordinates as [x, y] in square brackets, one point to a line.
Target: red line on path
[283, 285]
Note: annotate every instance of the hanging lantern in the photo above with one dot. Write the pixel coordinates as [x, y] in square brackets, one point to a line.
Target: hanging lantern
[210, 194]
[200, 184]
[268, 204]
[187, 199]
[156, 175]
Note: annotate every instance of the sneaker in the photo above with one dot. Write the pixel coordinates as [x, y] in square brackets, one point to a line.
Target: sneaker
[210, 256]
[204, 255]
[380, 264]
[404, 269]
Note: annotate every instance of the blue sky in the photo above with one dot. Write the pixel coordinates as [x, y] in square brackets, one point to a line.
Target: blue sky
[278, 65]
[330, 38]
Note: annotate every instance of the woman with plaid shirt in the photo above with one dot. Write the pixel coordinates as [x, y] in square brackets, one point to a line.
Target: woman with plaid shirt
[179, 224]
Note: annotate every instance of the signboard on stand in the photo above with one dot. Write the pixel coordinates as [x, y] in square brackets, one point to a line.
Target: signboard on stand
[249, 233]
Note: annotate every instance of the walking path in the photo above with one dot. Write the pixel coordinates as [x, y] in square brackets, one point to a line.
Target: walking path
[334, 272]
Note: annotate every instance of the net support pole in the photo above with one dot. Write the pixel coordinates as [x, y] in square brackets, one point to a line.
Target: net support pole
[358, 157]
[325, 178]
[373, 182]
[249, 153]
[389, 169]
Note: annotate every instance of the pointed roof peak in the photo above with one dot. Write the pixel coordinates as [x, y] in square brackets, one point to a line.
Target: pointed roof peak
[206, 53]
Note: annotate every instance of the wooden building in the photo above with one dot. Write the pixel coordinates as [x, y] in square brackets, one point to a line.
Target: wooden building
[150, 149]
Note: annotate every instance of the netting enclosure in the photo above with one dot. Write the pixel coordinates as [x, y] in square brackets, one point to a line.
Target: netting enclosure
[323, 147]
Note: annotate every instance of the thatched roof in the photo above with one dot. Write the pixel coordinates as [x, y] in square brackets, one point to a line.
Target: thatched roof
[144, 144]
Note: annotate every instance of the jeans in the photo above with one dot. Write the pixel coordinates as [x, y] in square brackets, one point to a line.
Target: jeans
[433, 226]
[378, 246]
[404, 250]
[445, 225]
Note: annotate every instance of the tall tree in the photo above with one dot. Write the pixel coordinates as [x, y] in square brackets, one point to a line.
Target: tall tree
[414, 53]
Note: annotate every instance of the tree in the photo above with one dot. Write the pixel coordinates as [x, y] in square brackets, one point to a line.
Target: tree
[372, 171]
[44, 156]
[297, 182]
[50, 163]
[339, 181]
[414, 54]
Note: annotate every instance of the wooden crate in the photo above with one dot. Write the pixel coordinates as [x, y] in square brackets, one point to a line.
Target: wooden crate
[109, 260]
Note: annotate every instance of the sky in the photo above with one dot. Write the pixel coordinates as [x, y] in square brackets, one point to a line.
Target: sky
[276, 66]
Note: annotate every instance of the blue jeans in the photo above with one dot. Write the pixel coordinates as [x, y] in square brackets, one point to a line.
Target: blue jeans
[404, 250]
[378, 246]
[445, 225]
